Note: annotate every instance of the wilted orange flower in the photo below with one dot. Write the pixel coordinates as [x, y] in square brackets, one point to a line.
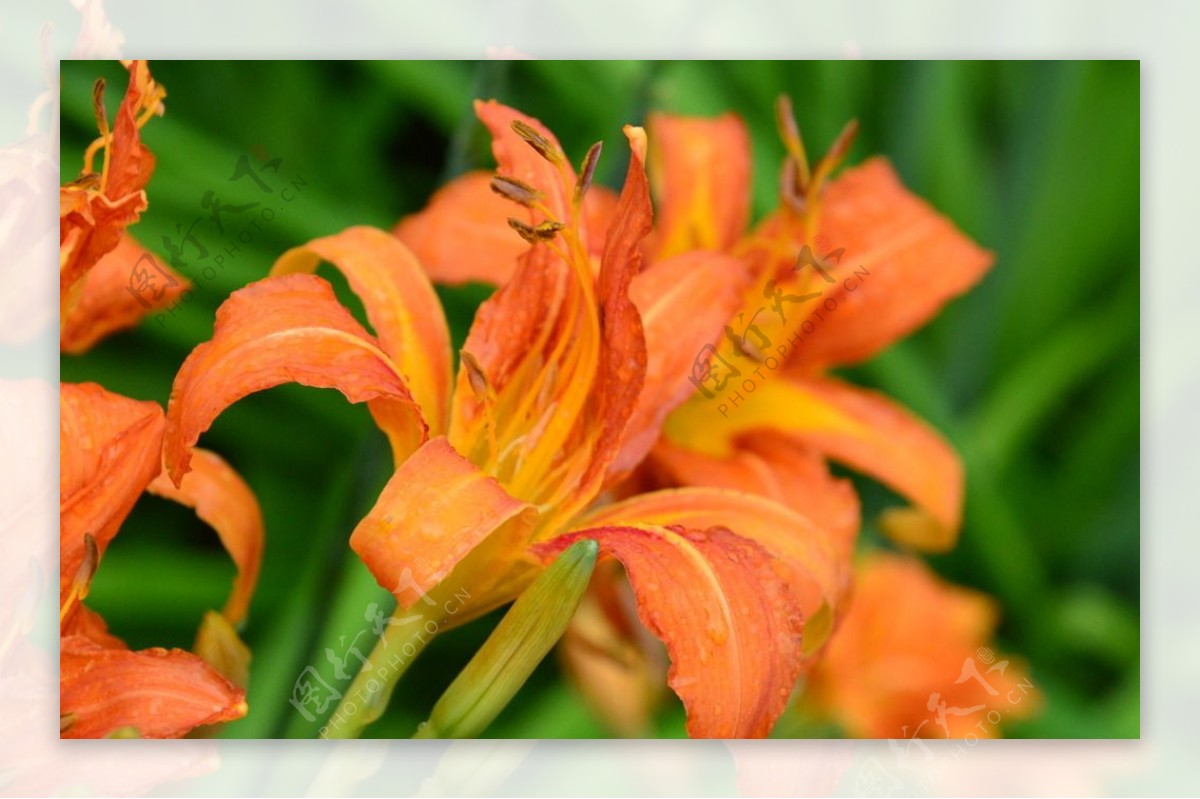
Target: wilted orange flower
[562, 384]
[913, 657]
[97, 262]
[111, 452]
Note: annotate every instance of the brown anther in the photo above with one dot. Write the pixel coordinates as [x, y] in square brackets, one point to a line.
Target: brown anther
[544, 147]
[793, 142]
[515, 190]
[98, 106]
[87, 181]
[525, 230]
[65, 722]
[843, 143]
[87, 569]
[586, 170]
[789, 187]
[475, 374]
[546, 231]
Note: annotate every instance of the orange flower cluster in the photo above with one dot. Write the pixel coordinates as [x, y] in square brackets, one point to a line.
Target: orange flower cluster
[593, 399]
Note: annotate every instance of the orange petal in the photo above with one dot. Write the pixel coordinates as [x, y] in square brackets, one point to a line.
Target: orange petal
[130, 163]
[400, 303]
[114, 297]
[910, 639]
[462, 235]
[515, 158]
[110, 450]
[816, 568]
[684, 303]
[435, 509]
[902, 262]
[767, 465]
[731, 626]
[622, 366]
[286, 329]
[859, 428]
[701, 173]
[160, 693]
[90, 227]
[223, 500]
[91, 625]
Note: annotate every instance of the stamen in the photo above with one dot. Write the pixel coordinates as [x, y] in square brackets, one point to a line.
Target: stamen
[544, 147]
[475, 374]
[785, 119]
[586, 170]
[544, 232]
[516, 190]
[83, 576]
[837, 151]
[98, 107]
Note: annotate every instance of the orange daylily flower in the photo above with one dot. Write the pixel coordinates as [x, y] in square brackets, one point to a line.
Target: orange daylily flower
[913, 658]
[891, 262]
[562, 385]
[111, 454]
[775, 442]
[95, 260]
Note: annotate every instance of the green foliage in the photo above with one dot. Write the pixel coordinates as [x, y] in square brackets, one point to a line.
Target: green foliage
[1033, 375]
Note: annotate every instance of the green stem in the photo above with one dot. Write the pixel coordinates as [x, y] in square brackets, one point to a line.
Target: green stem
[403, 639]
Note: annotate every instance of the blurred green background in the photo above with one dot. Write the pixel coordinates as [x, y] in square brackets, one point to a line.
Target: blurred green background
[1034, 375]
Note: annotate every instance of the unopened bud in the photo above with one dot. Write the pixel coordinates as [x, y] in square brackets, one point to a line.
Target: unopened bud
[524, 636]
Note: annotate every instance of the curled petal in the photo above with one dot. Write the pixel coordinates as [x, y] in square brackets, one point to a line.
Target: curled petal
[111, 296]
[859, 428]
[286, 329]
[223, 500]
[400, 303]
[770, 466]
[159, 693]
[684, 303]
[435, 509]
[110, 451]
[902, 262]
[815, 566]
[731, 627]
[700, 169]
